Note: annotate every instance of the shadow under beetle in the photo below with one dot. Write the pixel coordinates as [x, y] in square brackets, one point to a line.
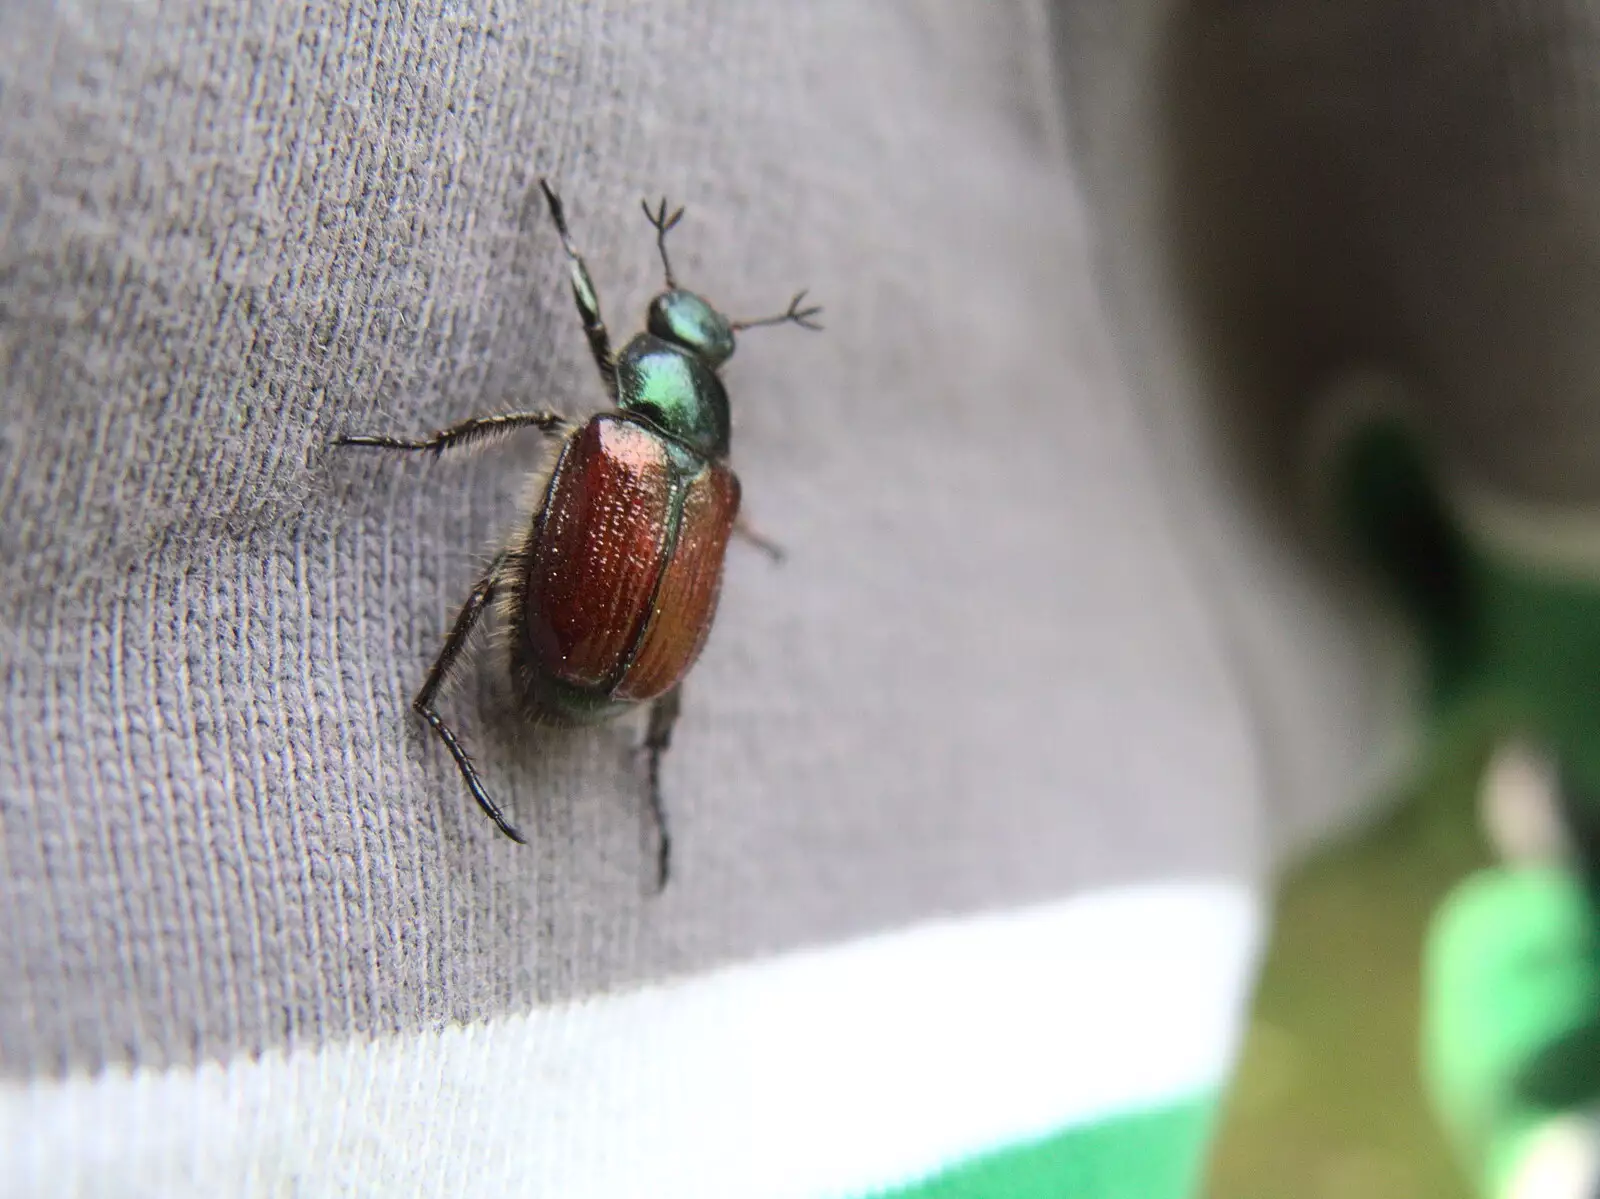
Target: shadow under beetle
[610, 584]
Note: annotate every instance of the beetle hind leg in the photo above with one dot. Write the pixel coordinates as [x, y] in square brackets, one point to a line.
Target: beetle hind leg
[663, 716]
[471, 611]
[755, 537]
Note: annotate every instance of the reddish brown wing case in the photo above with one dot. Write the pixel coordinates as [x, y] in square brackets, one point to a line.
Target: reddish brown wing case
[625, 571]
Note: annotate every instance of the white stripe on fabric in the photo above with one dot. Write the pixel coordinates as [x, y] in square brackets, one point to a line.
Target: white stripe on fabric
[829, 1072]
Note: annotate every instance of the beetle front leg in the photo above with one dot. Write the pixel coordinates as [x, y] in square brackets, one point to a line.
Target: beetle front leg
[467, 432]
[585, 296]
[442, 666]
[663, 716]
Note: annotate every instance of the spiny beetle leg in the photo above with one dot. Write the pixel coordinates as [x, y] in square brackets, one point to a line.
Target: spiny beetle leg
[760, 540]
[663, 716]
[481, 595]
[584, 295]
[464, 433]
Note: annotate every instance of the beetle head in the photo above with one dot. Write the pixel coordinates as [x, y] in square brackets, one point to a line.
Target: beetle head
[687, 320]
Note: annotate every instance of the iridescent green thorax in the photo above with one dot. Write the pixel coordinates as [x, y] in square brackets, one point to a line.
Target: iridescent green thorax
[685, 319]
[674, 389]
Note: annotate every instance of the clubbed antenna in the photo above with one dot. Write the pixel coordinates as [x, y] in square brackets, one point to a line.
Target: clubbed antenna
[794, 314]
[663, 223]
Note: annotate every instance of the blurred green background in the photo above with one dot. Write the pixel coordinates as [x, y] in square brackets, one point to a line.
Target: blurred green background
[1328, 1101]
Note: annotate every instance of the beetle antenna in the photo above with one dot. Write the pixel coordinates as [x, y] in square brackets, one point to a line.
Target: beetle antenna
[663, 223]
[794, 314]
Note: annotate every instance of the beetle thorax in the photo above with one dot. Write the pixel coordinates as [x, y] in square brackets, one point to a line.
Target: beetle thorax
[674, 389]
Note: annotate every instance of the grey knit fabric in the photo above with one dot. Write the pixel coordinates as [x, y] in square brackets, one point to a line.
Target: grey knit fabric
[998, 664]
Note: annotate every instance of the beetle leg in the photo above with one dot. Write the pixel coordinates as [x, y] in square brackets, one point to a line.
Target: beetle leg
[663, 715]
[584, 294]
[478, 428]
[762, 542]
[423, 704]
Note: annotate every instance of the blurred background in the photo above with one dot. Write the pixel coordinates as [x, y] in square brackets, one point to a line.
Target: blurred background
[1328, 1101]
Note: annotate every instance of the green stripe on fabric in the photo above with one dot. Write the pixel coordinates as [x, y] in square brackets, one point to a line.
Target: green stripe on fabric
[1154, 1154]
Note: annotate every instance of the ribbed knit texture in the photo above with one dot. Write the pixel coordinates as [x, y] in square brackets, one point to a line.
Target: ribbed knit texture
[232, 233]
[997, 665]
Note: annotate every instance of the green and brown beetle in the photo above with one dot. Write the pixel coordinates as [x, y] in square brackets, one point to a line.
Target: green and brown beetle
[610, 584]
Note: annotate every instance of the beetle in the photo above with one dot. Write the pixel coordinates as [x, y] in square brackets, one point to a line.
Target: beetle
[609, 584]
